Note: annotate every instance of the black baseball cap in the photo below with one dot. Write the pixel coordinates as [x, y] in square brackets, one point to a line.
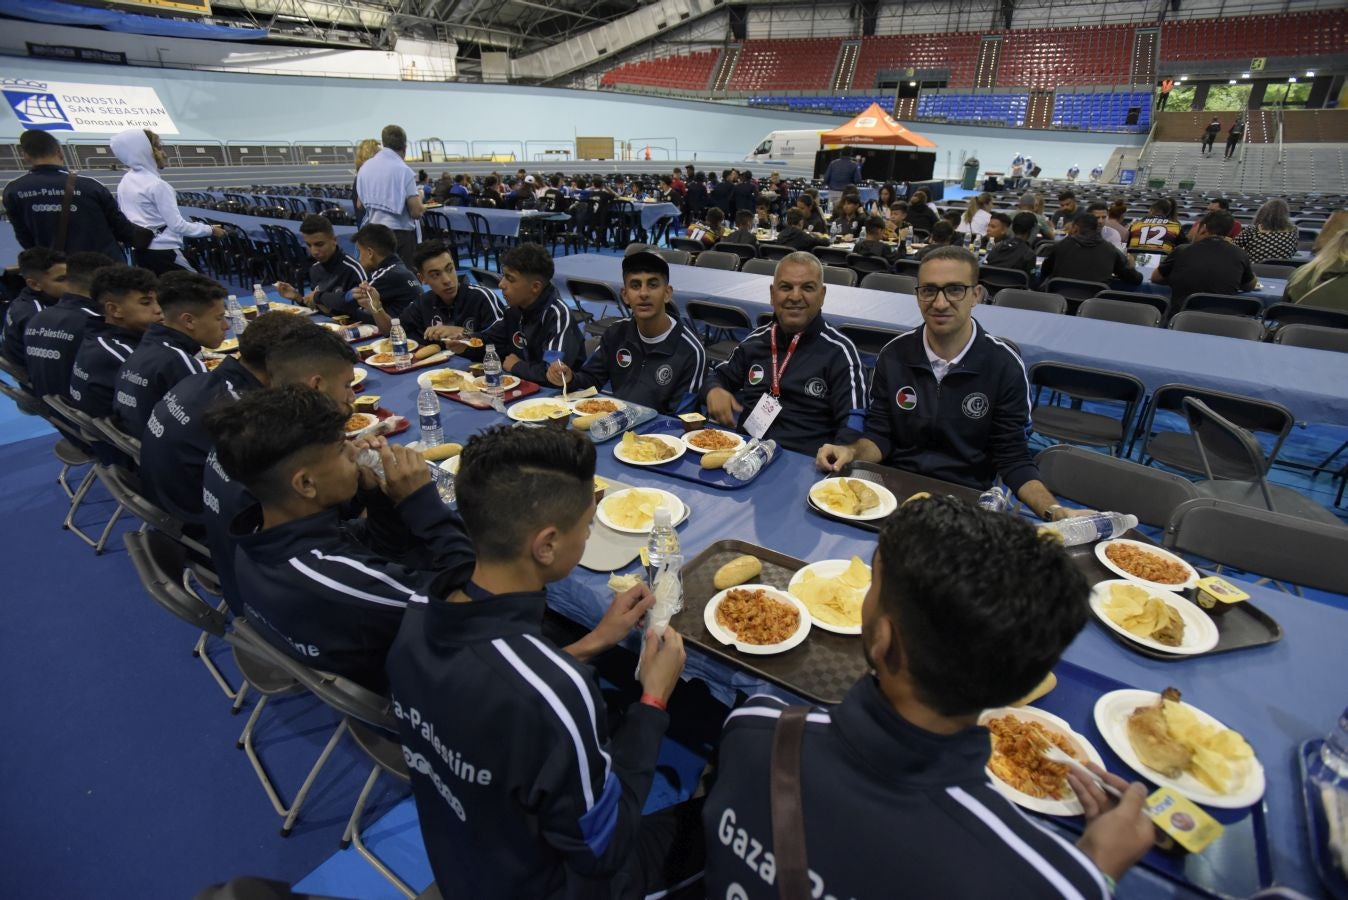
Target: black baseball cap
[644, 263]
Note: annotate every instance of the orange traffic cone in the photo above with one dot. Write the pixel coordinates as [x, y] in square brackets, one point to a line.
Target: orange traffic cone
[648, 153]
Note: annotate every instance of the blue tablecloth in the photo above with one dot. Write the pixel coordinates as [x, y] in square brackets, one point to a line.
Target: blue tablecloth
[1277, 696]
[1309, 382]
[252, 225]
[652, 213]
[503, 222]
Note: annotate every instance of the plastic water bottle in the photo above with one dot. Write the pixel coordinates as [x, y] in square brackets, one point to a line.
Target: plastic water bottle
[444, 483]
[397, 339]
[1334, 755]
[370, 459]
[664, 540]
[491, 372]
[995, 499]
[234, 315]
[1095, 527]
[750, 459]
[260, 299]
[428, 410]
[614, 423]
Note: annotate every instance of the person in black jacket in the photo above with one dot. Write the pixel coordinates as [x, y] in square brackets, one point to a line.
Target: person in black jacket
[719, 194]
[329, 591]
[53, 336]
[793, 235]
[333, 273]
[33, 203]
[1208, 263]
[948, 400]
[1086, 256]
[1210, 136]
[44, 275]
[744, 229]
[555, 811]
[873, 244]
[390, 287]
[695, 198]
[125, 295]
[968, 610]
[920, 215]
[813, 218]
[848, 217]
[744, 196]
[452, 307]
[1012, 250]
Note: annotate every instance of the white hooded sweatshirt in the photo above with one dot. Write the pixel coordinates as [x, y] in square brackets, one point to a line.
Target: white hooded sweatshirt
[146, 198]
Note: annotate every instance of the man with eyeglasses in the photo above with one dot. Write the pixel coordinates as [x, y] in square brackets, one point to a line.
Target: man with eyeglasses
[949, 400]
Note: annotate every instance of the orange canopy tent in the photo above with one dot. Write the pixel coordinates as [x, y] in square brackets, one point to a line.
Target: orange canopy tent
[875, 126]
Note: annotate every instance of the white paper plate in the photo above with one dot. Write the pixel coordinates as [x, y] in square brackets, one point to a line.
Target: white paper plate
[1068, 806]
[580, 412]
[517, 411]
[669, 440]
[828, 568]
[293, 308]
[1111, 717]
[370, 420]
[1100, 554]
[1200, 632]
[358, 375]
[673, 503]
[384, 345]
[727, 637]
[451, 465]
[424, 381]
[228, 345]
[508, 382]
[888, 502]
[739, 441]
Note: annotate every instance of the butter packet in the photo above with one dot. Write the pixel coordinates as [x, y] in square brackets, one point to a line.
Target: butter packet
[1214, 589]
[1182, 819]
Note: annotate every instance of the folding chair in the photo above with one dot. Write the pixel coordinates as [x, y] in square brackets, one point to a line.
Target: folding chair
[759, 267]
[1074, 290]
[1218, 324]
[1179, 450]
[1119, 311]
[1285, 548]
[1225, 304]
[1244, 469]
[714, 259]
[600, 292]
[869, 340]
[1270, 269]
[1299, 314]
[995, 278]
[774, 252]
[719, 323]
[865, 265]
[1156, 302]
[839, 276]
[1081, 383]
[1100, 481]
[910, 267]
[885, 281]
[84, 434]
[832, 256]
[1317, 337]
[676, 257]
[745, 252]
[1035, 301]
[691, 246]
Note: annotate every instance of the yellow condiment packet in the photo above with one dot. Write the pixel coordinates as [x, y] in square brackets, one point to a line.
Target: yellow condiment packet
[1183, 820]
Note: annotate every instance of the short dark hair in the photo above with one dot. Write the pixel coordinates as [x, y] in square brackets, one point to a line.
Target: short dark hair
[957, 254]
[1066, 195]
[1086, 223]
[529, 259]
[378, 238]
[744, 218]
[1222, 202]
[38, 144]
[316, 224]
[116, 281]
[714, 215]
[1218, 222]
[181, 289]
[1098, 206]
[1001, 217]
[851, 198]
[806, 200]
[1024, 222]
[264, 333]
[543, 476]
[394, 138]
[263, 429]
[80, 269]
[429, 250]
[302, 352]
[875, 224]
[985, 636]
[1162, 207]
[899, 204]
[942, 232]
[37, 261]
[794, 217]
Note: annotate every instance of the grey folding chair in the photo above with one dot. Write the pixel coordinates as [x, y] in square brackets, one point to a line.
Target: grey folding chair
[128, 445]
[716, 259]
[1075, 290]
[759, 267]
[1301, 314]
[1244, 467]
[1100, 481]
[994, 278]
[869, 340]
[1035, 301]
[1219, 324]
[582, 289]
[1119, 311]
[1223, 304]
[1080, 383]
[832, 256]
[676, 257]
[885, 281]
[1277, 546]
[1316, 337]
[719, 323]
[774, 252]
[839, 276]
[745, 252]
[1178, 449]
[1270, 269]
[83, 426]
[1156, 302]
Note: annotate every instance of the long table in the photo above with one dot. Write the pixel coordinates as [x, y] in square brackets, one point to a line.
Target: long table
[1277, 696]
[1309, 382]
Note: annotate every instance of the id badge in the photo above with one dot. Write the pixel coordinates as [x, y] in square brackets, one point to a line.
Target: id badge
[764, 414]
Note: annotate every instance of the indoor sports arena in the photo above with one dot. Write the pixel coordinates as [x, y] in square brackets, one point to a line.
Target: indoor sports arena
[618, 449]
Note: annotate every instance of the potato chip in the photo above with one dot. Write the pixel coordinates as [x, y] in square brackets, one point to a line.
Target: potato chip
[634, 508]
[858, 574]
[836, 600]
[1214, 749]
[636, 448]
[847, 495]
[1144, 615]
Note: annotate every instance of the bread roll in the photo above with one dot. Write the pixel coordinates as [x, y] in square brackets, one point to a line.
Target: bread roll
[716, 459]
[1049, 683]
[426, 351]
[920, 495]
[737, 571]
[441, 452]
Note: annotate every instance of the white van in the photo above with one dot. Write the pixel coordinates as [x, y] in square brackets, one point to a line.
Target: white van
[787, 145]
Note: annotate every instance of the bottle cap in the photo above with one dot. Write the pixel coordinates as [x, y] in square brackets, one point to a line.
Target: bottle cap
[393, 322]
[663, 517]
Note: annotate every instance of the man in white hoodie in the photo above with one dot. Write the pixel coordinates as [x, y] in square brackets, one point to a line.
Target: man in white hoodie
[148, 200]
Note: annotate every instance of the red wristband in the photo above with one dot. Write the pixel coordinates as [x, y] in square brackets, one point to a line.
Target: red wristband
[652, 700]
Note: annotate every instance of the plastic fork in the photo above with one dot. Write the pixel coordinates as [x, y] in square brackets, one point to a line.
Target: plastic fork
[1054, 753]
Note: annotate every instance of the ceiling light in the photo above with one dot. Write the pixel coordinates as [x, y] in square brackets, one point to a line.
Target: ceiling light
[1184, 78]
[912, 84]
[1244, 74]
[1292, 80]
[1232, 81]
[1310, 74]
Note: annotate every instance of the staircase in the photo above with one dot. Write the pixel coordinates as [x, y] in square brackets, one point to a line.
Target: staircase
[846, 66]
[724, 68]
[1302, 167]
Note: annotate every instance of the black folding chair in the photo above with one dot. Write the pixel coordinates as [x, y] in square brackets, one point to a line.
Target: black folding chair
[720, 323]
[1225, 304]
[1073, 424]
[1036, 301]
[1178, 450]
[1100, 481]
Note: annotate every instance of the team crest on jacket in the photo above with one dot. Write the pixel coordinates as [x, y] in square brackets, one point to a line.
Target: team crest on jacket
[816, 387]
[975, 406]
[469, 325]
[518, 340]
[755, 374]
[623, 358]
[664, 375]
[906, 398]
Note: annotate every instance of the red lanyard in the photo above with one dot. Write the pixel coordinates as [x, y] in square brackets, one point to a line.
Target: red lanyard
[776, 372]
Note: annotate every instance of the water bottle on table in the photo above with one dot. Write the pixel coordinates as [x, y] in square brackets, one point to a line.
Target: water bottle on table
[234, 315]
[1101, 526]
[1328, 776]
[491, 372]
[750, 459]
[428, 411]
[397, 339]
[260, 299]
[995, 499]
[614, 423]
[663, 542]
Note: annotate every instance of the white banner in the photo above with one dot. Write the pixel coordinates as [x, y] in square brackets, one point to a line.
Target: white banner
[90, 108]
